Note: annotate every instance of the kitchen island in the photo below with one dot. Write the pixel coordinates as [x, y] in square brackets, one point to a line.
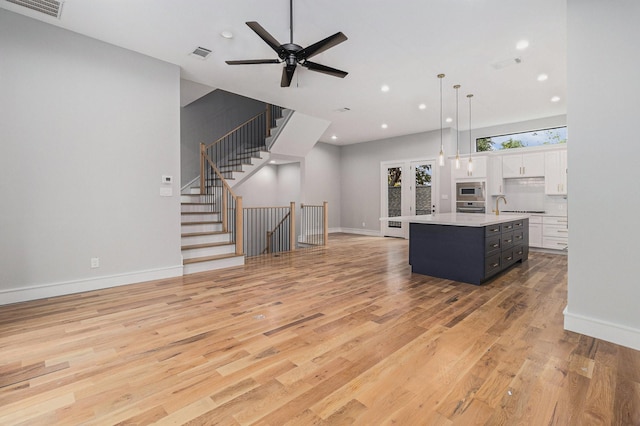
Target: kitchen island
[466, 247]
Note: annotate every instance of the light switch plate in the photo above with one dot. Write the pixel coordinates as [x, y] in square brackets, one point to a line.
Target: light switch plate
[166, 192]
[167, 179]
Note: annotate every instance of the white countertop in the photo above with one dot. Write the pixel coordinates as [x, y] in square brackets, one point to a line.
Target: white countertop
[459, 219]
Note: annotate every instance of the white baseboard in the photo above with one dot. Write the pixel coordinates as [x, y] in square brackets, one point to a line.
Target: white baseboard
[604, 330]
[357, 231]
[44, 291]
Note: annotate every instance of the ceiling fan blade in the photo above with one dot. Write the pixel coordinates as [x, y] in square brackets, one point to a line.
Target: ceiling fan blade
[287, 75]
[253, 61]
[321, 46]
[324, 69]
[264, 35]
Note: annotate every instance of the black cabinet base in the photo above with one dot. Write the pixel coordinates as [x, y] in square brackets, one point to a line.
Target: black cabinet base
[464, 253]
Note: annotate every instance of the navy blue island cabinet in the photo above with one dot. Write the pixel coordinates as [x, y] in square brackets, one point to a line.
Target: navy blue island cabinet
[470, 250]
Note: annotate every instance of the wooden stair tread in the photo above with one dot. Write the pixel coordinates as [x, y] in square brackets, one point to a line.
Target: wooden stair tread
[209, 258]
[206, 245]
[202, 234]
[192, 213]
[206, 222]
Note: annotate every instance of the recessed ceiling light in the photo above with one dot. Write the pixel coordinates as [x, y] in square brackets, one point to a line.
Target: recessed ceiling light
[384, 88]
[226, 34]
[448, 119]
[555, 99]
[542, 77]
[334, 137]
[422, 106]
[522, 44]
[384, 125]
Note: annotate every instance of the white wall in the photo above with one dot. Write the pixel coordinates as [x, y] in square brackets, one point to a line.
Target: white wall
[86, 132]
[603, 93]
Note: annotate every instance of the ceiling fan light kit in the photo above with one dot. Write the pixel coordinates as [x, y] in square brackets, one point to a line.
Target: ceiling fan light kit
[292, 54]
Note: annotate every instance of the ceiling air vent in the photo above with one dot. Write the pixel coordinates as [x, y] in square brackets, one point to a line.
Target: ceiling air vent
[201, 52]
[48, 7]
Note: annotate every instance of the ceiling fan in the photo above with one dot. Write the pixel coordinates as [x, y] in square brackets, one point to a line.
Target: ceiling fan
[292, 54]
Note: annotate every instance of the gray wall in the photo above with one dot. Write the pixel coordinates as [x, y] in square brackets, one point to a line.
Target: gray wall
[86, 132]
[208, 119]
[360, 173]
[322, 180]
[603, 162]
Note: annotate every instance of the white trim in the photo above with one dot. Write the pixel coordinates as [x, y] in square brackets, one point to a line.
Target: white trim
[369, 232]
[605, 330]
[191, 182]
[44, 291]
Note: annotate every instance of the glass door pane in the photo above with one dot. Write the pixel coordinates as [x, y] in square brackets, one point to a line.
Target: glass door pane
[394, 201]
[394, 195]
[422, 193]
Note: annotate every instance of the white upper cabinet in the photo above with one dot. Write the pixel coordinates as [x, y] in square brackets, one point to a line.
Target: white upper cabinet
[523, 165]
[555, 177]
[495, 183]
[479, 169]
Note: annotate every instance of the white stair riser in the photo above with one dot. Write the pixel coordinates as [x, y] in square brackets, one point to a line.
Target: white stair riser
[204, 217]
[206, 239]
[189, 208]
[207, 227]
[194, 198]
[208, 251]
[212, 265]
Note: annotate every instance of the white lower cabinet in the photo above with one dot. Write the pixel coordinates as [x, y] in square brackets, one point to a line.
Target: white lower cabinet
[535, 231]
[555, 232]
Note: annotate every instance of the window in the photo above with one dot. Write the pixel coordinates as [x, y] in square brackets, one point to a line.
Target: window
[551, 136]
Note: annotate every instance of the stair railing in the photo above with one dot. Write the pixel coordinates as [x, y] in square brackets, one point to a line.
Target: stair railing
[270, 229]
[219, 193]
[236, 146]
[314, 224]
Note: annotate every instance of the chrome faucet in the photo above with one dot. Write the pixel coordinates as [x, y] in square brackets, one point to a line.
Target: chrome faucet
[497, 210]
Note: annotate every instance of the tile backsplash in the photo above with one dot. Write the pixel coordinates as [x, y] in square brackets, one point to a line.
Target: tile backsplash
[528, 194]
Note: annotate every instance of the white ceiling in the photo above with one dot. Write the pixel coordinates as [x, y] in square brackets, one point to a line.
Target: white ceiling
[403, 44]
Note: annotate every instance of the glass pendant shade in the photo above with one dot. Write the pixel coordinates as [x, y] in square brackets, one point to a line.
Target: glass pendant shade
[457, 86]
[470, 165]
[441, 156]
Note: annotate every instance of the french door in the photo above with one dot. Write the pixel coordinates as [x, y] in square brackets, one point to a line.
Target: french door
[408, 189]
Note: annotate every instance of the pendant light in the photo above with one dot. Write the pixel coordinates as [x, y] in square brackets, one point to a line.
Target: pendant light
[441, 156]
[470, 164]
[457, 86]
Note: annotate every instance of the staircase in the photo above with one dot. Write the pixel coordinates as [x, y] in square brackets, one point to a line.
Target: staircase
[206, 245]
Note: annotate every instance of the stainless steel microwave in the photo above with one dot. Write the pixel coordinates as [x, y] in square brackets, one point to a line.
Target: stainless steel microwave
[470, 191]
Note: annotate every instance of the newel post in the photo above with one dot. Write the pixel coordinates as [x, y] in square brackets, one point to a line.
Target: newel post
[325, 225]
[202, 167]
[238, 224]
[292, 226]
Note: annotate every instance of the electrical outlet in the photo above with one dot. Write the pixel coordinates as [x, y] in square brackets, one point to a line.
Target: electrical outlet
[95, 262]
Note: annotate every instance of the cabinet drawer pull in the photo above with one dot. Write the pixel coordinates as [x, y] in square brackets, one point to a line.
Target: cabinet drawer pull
[493, 265]
[518, 237]
[508, 226]
[520, 252]
[562, 230]
[507, 241]
[561, 244]
[509, 258]
[495, 245]
[494, 229]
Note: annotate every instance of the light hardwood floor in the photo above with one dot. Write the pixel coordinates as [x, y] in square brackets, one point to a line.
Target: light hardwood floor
[337, 335]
